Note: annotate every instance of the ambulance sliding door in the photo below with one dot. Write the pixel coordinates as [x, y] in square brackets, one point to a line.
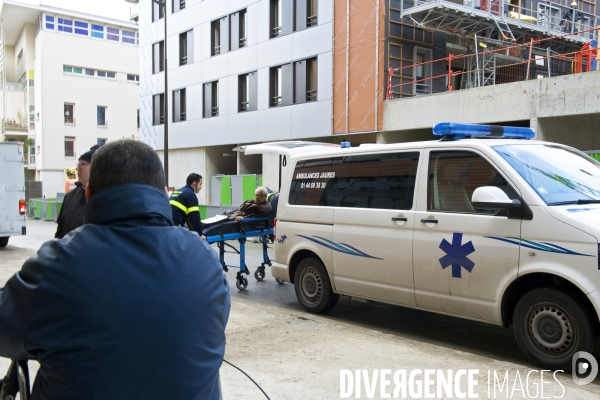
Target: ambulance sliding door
[373, 226]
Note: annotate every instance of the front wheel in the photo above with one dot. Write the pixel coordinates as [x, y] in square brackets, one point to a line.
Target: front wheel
[3, 241]
[313, 288]
[550, 327]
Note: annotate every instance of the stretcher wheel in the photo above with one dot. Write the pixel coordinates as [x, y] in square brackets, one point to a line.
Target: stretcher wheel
[280, 281]
[259, 274]
[241, 283]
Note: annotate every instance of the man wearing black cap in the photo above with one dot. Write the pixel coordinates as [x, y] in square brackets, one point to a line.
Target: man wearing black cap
[71, 212]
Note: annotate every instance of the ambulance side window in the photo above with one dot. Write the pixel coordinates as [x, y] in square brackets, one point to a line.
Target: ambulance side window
[313, 182]
[382, 181]
[454, 176]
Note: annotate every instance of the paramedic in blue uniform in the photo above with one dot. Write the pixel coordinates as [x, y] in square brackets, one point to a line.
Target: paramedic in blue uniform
[184, 204]
[126, 306]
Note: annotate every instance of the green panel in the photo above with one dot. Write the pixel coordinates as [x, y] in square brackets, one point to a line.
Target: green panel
[38, 209]
[226, 191]
[49, 215]
[202, 212]
[58, 207]
[259, 180]
[248, 187]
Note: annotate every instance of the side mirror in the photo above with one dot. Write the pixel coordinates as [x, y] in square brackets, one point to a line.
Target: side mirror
[493, 198]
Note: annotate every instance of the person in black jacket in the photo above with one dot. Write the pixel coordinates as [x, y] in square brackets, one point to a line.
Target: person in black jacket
[126, 306]
[73, 206]
[567, 18]
[184, 204]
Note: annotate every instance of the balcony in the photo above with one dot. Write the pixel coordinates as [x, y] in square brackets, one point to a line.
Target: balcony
[11, 125]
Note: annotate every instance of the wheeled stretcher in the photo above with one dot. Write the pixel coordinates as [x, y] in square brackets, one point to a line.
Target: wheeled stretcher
[240, 231]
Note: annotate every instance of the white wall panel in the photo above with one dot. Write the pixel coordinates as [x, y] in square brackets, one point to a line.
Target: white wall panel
[214, 129]
[311, 119]
[243, 127]
[214, 68]
[312, 41]
[263, 88]
[204, 50]
[325, 11]
[263, 24]
[194, 102]
[230, 94]
[275, 124]
[213, 9]
[242, 61]
[253, 25]
[275, 51]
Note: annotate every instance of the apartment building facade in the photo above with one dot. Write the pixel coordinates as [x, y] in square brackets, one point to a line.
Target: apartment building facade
[70, 81]
[248, 71]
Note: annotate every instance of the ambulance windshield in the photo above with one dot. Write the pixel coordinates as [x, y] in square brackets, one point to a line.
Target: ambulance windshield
[558, 175]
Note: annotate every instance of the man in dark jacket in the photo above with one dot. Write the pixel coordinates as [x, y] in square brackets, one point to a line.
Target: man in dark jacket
[73, 206]
[568, 20]
[127, 306]
[259, 207]
[184, 204]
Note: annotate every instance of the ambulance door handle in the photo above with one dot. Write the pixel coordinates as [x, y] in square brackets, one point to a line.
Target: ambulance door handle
[429, 221]
[399, 219]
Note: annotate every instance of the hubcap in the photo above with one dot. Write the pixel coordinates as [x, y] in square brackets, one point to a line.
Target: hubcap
[551, 329]
[311, 285]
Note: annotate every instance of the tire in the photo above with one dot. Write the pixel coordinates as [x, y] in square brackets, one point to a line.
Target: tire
[241, 283]
[550, 327]
[4, 241]
[312, 286]
[259, 274]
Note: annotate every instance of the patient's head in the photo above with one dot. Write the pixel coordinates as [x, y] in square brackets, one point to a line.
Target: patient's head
[260, 195]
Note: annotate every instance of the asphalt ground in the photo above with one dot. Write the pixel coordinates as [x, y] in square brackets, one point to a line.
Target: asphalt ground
[292, 354]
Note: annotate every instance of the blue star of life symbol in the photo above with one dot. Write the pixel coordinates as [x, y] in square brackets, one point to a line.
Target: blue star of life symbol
[456, 255]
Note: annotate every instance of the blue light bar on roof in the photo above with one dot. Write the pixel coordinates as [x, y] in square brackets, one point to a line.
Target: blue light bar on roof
[452, 131]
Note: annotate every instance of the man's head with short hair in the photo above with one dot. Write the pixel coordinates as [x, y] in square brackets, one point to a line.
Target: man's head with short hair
[125, 162]
[260, 195]
[195, 181]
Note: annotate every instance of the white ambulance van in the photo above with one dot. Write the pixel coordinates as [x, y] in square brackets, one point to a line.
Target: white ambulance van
[483, 224]
[12, 191]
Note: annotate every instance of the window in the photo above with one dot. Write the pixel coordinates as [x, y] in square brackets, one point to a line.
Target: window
[186, 47]
[219, 36]
[138, 118]
[19, 56]
[133, 78]
[77, 70]
[157, 11]
[211, 99]
[179, 106]
[248, 92]
[98, 31]
[422, 72]
[65, 25]
[69, 114]
[100, 142]
[381, 181]
[101, 74]
[239, 34]
[90, 72]
[69, 147]
[67, 68]
[454, 176]
[49, 22]
[112, 34]
[128, 36]
[158, 57]
[158, 107]
[281, 85]
[177, 5]
[305, 80]
[111, 74]
[311, 19]
[81, 28]
[101, 115]
[276, 18]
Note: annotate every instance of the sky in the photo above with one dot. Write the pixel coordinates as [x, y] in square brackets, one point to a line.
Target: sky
[118, 9]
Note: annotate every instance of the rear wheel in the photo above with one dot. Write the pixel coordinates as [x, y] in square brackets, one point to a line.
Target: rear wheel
[550, 327]
[313, 288]
[4, 241]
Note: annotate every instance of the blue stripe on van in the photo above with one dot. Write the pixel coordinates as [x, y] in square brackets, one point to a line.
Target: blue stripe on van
[339, 247]
[542, 246]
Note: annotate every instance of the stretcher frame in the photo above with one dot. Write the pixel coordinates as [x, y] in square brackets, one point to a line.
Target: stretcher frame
[241, 236]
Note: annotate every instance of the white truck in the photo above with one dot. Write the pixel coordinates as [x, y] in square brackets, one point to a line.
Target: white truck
[12, 191]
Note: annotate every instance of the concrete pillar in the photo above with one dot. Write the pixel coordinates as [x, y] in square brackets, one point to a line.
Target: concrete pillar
[536, 125]
[219, 160]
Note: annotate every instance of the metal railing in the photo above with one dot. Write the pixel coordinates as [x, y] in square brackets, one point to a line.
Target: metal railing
[276, 101]
[216, 50]
[312, 20]
[491, 62]
[183, 60]
[311, 95]
[244, 105]
[182, 116]
[276, 31]
[215, 111]
[9, 124]
[243, 42]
